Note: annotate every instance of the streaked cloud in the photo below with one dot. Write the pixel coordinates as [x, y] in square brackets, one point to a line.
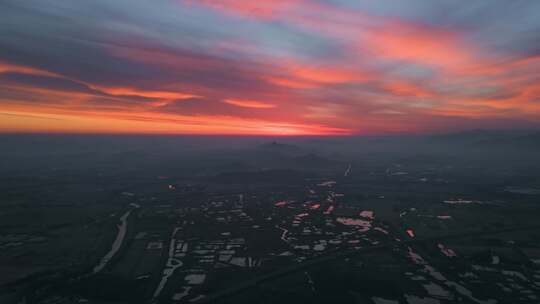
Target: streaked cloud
[269, 67]
[249, 103]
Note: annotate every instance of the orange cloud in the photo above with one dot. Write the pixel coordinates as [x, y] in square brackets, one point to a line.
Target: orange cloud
[244, 103]
[411, 43]
[326, 75]
[298, 76]
[52, 120]
[14, 68]
[291, 83]
[72, 97]
[406, 89]
[120, 91]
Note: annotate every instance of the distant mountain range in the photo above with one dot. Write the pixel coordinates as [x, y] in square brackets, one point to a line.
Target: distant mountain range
[491, 138]
[279, 147]
[293, 156]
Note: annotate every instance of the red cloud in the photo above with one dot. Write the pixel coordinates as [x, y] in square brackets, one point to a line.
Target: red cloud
[256, 9]
[301, 76]
[355, 93]
[421, 45]
[6, 67]
[249, 103]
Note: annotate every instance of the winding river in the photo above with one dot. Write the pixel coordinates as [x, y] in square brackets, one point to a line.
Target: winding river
[120, 236]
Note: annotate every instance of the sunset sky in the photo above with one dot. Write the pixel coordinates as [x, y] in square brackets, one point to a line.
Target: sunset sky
[280, 67]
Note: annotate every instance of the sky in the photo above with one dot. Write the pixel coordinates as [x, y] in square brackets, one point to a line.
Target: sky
[280, 67]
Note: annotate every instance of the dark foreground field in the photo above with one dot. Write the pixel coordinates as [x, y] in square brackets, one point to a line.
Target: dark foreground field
[384, 220]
